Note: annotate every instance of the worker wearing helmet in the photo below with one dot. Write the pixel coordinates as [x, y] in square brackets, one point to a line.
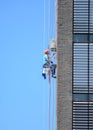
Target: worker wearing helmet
[46, 62]
[46, 57]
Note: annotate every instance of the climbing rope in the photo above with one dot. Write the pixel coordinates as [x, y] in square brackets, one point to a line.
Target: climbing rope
[49, 108]
[49, 35]
[51, 87]
[44, 26]
[49, 20]
[53, 106]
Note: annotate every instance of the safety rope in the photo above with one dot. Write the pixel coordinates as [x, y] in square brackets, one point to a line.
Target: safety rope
[49, 20]
[49, 35]
[53, 105]
[49, 107]
[43, 48]
[44, 26]
[51, 87]
[49, 31]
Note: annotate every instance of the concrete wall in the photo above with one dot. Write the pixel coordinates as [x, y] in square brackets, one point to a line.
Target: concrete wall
[64, 64]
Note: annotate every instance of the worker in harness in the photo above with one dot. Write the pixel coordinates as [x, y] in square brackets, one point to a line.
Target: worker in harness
[46, 63]
[48, 66]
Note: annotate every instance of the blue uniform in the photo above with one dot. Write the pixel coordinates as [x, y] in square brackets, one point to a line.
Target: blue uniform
[45, 59]
[45, 65]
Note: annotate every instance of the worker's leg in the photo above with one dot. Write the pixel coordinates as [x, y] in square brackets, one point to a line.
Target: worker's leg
[44, 73]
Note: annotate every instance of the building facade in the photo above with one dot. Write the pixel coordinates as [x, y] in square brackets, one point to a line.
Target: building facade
[75, 65]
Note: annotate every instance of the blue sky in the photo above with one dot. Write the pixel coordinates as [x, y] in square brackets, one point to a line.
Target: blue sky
[23, 91]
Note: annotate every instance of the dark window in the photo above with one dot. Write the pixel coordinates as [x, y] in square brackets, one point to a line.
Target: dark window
[83, 38]
[91, 97]
[80, 97]
[91, 37]
[80, 38]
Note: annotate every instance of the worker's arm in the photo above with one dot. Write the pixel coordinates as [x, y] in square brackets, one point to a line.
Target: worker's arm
[53, 56]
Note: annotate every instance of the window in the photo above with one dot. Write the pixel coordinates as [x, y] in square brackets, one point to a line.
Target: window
[83, 65]
[81, 38]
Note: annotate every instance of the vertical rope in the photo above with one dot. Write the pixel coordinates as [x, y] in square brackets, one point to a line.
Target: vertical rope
[44, 28]
[53, 106]
[49, 18]
[49, 107]
[43, 47]
[49, 34]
